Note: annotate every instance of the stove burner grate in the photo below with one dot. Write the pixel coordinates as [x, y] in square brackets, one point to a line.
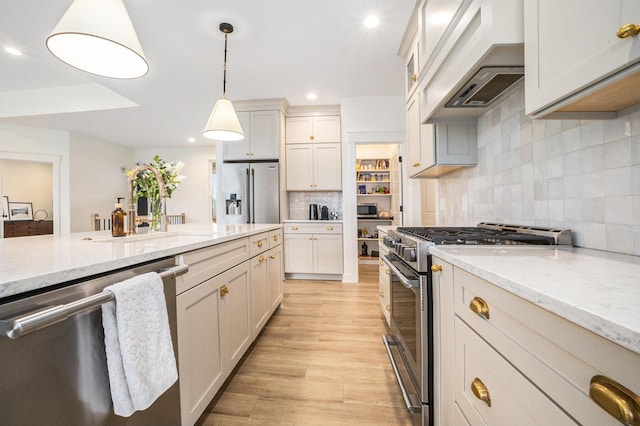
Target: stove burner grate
[474, 236]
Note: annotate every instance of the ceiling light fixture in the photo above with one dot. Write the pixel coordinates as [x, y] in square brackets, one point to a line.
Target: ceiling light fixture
[312, 96]
[371, 21]
[223, 124]
[13, 51]
[97, 36]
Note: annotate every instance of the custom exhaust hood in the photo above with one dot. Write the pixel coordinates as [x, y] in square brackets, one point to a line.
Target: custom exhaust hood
[486, 86]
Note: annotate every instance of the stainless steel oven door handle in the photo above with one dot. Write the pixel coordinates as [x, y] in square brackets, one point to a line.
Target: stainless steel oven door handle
[410, 400]
[404, 280]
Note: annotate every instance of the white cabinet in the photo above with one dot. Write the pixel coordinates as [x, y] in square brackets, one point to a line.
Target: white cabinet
[437, 149]
[311, 248]
[384, 279]
[315, 129]
[412, 68]
[275, 277]
[571, 73]
[314, 167]
[536, 367]
[260, 307]
[262, 136]
[266, 277]
[214, 331]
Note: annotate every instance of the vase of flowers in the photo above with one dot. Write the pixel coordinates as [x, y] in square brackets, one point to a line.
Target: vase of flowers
[146, 185]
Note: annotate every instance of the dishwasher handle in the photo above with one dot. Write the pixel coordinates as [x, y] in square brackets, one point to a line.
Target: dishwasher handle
[17, 327]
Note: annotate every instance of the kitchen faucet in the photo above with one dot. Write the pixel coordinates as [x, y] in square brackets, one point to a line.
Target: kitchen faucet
[132, 209]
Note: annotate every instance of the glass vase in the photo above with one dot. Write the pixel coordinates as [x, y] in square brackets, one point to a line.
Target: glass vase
[155, 213]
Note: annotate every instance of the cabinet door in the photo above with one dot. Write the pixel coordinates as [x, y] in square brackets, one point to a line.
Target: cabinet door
[412, 68]
[299, 166]
[200, 362]
[275, 277]
[413, 136]
[384, 284]
[299, 130]
[240, 150]
[265, 141]
[327, 257]
[235, 314]
[298, 253]
[326, 129]
[327, 168]
[259, 292]
[560, 61]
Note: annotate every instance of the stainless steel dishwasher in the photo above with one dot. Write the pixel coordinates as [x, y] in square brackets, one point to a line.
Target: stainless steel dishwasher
[53, 367]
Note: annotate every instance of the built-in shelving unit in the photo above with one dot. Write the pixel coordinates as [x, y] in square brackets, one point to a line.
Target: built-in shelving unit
[373, 186]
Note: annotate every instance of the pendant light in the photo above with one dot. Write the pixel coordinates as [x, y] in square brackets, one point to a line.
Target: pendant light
[97, 36]
[223, 124]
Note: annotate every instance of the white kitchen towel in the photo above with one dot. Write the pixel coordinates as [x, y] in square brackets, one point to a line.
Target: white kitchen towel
[140, 358]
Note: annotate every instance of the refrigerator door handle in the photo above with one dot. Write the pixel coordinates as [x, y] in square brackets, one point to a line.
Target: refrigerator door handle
[247, 192]
[253, 196]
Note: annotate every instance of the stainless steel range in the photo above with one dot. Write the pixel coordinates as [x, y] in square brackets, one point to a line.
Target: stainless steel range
[410, 341]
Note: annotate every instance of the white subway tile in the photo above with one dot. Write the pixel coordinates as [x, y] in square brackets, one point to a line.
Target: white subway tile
[594, 210]
[619, 239]
[592, 159]
[618, 210]
[591, 133]
[617, 153]
[618, 181]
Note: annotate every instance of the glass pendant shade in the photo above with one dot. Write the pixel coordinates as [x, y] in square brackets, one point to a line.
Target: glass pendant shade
[97, 36]
[223, 123]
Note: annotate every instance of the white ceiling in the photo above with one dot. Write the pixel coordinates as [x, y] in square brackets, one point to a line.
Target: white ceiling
[279, 49]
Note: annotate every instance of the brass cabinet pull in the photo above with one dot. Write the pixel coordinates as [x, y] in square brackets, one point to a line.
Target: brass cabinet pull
[272, 257]
[388, 307]
[224, 290]
[260, 243]
[311, 137]
[628, 30]
[275, 237]
[416, 164]
[436, 268]
[615, 399]
[329, 228]
[480, 307]
[480, 391]
[294, 228]
[387, 272]
[414, 77]
[261, 259]
[381, 294]
[381, 263]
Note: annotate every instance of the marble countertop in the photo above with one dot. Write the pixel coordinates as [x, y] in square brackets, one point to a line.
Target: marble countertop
[599, 291]
[311, 221]
[30, 263]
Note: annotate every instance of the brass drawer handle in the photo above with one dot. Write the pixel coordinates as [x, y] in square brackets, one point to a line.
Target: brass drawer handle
[381, 294]
[436, 268]
[628, 30]
[272, 257]
[260, 243]
[381, 263]
[388, 307]
[224, 290]
[480, 307]
[622, 403]
[261, 259]
[416, 164]
[311, 137]
[480, 391]
[329, 228]
[388, 272]
[294, 228]
[275, 237]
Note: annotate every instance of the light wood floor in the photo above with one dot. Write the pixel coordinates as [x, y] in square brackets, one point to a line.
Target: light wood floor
[319, 361]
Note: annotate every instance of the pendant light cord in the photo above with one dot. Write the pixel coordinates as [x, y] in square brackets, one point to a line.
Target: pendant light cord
[224, 78]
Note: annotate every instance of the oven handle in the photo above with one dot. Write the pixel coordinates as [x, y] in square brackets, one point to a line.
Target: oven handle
[412, 407]
[404, 280]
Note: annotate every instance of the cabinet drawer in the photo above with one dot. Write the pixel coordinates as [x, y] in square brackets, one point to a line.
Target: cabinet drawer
[208, 262]
[510, 397]
[558, 356]
[275, 238]
[313, 228]
[258, 243]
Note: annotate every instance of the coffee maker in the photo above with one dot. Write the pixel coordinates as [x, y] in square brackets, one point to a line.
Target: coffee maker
[313, 212]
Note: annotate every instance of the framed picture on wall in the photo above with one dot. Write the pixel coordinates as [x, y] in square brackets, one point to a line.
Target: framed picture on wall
[5, 207]
[20, 211]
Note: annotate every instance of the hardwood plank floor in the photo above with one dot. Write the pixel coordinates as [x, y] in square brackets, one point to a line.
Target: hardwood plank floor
[319, 361]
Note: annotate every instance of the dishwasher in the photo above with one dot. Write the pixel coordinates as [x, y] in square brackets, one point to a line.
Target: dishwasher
[53, 367]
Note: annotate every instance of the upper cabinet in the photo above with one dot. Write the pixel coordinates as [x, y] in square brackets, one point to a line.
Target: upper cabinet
[412, 68]
[262, 137]
[316, 129]
[576, 64]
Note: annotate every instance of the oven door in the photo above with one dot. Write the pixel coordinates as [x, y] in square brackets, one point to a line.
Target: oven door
[408, 342]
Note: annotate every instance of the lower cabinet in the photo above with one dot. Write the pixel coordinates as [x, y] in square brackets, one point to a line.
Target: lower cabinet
[259, 292]
[313, 248]
[213, 332]
[384, 279]
[275, 277]
[516, 363]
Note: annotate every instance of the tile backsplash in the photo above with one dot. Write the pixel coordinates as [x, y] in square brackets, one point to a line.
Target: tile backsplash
[582, 175]
[299, 203]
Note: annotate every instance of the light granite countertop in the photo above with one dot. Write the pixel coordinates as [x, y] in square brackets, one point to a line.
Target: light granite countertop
[597, 290]
[31, 263]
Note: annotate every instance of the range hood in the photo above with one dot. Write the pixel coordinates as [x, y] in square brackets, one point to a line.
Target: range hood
[486, 86]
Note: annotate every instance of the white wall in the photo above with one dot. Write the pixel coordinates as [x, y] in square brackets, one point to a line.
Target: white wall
[582, 175]
[42, 145]
[193, 195]
[30, 182]
[96, 179]
[369, 120]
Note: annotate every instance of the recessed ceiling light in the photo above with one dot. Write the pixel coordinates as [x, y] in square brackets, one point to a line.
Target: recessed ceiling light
[371, 21]
[191, 140]
[312, 96]
[13, 51]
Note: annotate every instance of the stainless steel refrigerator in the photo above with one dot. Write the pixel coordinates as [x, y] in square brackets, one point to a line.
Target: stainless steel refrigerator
[251, 192]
